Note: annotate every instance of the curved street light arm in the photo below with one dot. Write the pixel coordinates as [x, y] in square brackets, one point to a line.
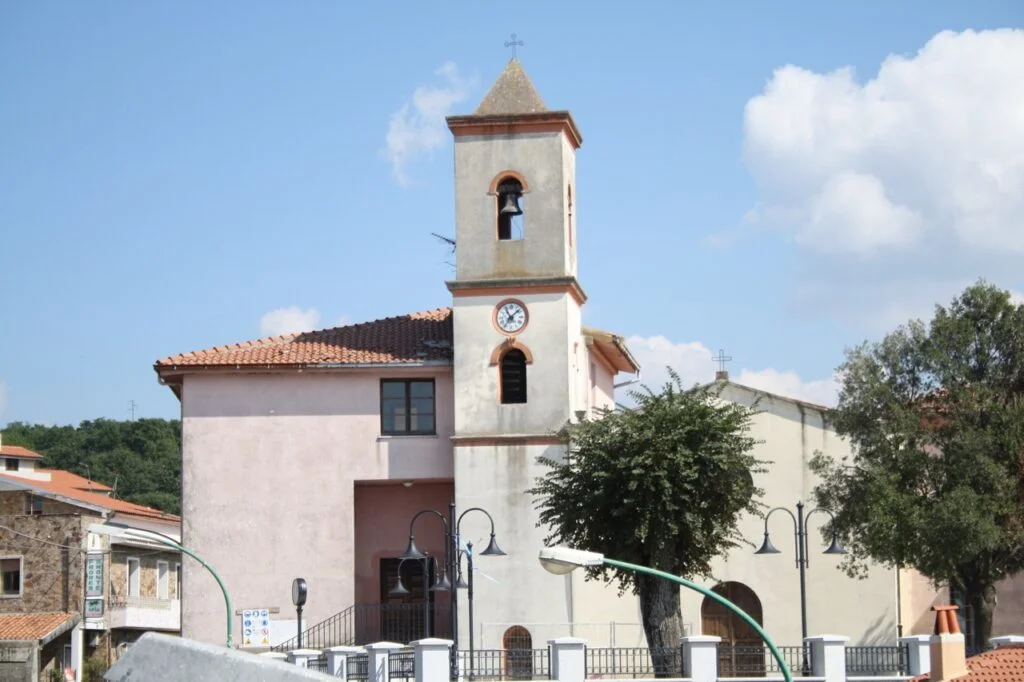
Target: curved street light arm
[807, 518]
[458, 524]
[170, 542]
[428, 511]
[796, 531]
[776, 654]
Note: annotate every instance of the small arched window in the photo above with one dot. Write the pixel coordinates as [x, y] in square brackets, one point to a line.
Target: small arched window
[513, 377]
[510, 210]
[518, 645]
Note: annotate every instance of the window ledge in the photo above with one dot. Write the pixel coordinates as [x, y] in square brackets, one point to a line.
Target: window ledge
[10, 596]
[402, 436]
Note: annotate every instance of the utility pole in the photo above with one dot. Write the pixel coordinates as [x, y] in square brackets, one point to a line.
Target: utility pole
[131, 409]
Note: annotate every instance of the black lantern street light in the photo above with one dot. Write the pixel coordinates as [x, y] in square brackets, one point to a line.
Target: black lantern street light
[299, 593]
[799, 525]
[452, 566]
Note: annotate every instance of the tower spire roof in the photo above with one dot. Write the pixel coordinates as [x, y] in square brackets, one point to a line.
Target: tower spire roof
[513, 93]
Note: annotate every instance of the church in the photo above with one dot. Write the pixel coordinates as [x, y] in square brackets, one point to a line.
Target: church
[329, 455]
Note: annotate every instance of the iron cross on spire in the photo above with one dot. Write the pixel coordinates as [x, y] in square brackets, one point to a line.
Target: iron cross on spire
[721, 359]
[513, 43]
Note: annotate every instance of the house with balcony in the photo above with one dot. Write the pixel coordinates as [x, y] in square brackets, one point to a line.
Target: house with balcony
[99, 592]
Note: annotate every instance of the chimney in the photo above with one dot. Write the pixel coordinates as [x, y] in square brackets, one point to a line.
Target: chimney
[947, 646]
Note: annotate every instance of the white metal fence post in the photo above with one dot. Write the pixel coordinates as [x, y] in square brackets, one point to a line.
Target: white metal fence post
[432, 659]
[700, 657]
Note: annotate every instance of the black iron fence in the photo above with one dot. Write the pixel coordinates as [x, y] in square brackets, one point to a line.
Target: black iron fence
[402, 664]
[877, 660]
[507, 664]
[358, 667]
[736, 660]
[634, 662]
[319, 664]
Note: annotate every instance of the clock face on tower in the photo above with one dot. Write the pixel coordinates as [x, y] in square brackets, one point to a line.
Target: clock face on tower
[510, 317]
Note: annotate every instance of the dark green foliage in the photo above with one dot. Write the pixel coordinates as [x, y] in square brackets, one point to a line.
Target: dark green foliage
[141, 459]
[662, 485]
[936, 417]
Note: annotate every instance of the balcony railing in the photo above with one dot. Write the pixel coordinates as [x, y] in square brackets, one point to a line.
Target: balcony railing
[150, 613]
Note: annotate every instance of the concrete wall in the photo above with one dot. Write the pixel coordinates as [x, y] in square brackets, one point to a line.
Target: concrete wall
[270, 463]
[547, 162]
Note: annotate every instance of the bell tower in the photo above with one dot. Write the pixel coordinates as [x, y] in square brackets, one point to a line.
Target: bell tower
[519, 356]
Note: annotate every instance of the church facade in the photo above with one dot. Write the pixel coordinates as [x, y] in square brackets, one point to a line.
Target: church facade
[309, 455]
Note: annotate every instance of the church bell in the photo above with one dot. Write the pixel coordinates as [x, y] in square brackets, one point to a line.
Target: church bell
[511, 206]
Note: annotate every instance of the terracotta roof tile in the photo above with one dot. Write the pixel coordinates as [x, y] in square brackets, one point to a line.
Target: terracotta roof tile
[76, 487]
[412, 338]
[31, 626]
[18, 451]
[1005, 664]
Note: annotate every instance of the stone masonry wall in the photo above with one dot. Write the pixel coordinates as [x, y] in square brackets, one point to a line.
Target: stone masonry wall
[49, 545]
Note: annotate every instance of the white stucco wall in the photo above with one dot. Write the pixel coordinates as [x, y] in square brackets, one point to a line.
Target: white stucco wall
[864, 610]
[267, 484]
[547, 162]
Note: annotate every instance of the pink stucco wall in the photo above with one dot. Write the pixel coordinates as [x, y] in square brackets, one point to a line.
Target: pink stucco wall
[383, 513]
[270, 463]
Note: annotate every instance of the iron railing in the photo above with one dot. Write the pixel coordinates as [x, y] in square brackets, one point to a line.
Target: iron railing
[368, 623]
[877, 660]
[634, 662]
[358, 667]
[319, 664]
[736, 660]
[508, 664]
[402, 664]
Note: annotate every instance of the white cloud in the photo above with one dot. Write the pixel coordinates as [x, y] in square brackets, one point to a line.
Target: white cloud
[1016, 297]
[3, 397]
[289, 321]
[934, 141]
[694, 364]
[418, 126]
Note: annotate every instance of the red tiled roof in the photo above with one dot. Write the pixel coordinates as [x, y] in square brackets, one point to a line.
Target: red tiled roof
[31, 626]
[417, 337]
[18, 451]
[72, 486]
[1004, 664]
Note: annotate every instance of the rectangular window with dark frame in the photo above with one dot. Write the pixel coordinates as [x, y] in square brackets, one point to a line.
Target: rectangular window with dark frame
[11, 464]
[10, 569]
[407, 407]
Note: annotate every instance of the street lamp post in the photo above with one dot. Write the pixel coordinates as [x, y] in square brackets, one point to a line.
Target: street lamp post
[452, 524]
[162, 539]
[562, 560]
[299, 593]
[802, 562]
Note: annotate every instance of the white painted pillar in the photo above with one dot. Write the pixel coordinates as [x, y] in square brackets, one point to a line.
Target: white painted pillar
[919, 656]
[700, 657]
[377, 660]
[828, 657]
[568, 659]
[997, 642]
[433, 662]
[301, 657]
[337, 659]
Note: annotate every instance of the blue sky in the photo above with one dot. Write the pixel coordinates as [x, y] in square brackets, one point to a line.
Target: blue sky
[779, 179]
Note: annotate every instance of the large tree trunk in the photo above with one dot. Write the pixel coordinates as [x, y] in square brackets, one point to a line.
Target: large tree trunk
[981, 597]
[663, 624]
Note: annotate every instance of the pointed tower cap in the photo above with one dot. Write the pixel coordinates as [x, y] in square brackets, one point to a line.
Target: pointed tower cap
[514, 105]
[512, 93]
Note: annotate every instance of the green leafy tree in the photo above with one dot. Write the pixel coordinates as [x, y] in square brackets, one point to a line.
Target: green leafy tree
[935, 415]
[140, 459]
[662, 485]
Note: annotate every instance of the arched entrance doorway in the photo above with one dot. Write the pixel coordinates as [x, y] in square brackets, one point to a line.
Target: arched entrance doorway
[742, 650]
[518, 645]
